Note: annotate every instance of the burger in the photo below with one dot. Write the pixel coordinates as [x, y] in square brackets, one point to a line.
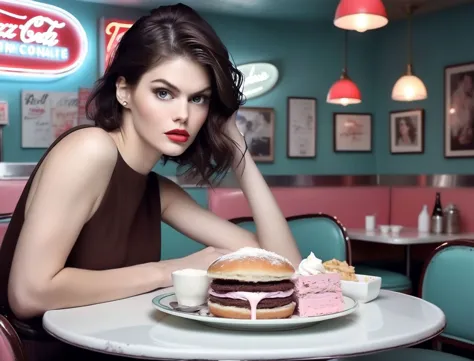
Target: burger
[251, 283]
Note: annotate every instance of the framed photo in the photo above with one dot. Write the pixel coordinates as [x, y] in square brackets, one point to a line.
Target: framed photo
[459, 110]
[407, 131]
[301, 127]
[258, 127]
[352, 132]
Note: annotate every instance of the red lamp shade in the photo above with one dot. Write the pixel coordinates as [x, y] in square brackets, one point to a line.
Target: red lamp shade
[360, 15]
[344, 92]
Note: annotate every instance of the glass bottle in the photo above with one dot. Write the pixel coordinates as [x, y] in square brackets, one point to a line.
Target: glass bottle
[437, 216]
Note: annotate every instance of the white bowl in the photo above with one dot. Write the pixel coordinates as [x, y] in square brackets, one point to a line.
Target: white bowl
[384, 228]
[366, 290]
[396, 229]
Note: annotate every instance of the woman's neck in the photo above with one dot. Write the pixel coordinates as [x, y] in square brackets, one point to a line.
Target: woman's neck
[134, 150]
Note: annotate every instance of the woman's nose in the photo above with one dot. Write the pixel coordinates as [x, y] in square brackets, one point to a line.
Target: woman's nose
[181, 112]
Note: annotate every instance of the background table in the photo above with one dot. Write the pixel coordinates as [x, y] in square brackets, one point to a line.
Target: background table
[406, 237]
[134, 328]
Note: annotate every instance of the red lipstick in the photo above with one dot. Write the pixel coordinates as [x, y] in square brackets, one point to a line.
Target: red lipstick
[178, 135]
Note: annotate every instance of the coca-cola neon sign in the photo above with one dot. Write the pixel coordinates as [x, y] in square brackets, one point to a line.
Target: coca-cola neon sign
[39, 40]
[111, 32]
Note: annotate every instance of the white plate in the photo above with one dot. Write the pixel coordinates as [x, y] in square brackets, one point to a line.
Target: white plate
[162, 302]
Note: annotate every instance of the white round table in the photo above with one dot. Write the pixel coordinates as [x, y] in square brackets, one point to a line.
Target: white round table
[134, 328]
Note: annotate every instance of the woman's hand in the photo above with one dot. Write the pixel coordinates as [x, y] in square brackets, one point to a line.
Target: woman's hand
[203, 258]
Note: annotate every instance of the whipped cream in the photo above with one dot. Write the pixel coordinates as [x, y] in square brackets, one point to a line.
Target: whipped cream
[311, 265]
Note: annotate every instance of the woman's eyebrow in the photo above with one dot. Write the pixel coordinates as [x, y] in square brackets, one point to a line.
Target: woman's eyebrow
[175, 88]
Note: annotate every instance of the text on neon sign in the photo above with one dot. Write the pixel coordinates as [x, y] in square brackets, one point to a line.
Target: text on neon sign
[32, 43]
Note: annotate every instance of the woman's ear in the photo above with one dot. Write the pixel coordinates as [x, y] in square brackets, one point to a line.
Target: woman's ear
[122, 92]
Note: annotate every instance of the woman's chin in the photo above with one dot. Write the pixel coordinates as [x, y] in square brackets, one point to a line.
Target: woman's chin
[174, 150]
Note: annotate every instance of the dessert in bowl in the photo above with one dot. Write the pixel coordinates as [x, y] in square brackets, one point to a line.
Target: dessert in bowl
[362, 288]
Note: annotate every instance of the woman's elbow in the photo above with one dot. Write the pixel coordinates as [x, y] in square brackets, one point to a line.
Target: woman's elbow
[26, 300]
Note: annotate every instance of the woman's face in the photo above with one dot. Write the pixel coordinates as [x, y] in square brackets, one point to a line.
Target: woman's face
[403, 127]
[169, 105]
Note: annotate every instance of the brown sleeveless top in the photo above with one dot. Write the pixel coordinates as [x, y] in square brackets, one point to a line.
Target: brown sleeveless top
[124, 231]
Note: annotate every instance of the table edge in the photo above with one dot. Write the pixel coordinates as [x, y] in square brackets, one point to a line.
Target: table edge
[193, 356]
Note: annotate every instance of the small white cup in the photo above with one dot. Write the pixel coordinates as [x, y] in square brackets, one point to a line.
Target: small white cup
[369, 223]
[191, 286]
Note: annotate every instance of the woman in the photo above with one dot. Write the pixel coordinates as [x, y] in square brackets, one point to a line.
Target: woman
[87, 227]
[406, 132]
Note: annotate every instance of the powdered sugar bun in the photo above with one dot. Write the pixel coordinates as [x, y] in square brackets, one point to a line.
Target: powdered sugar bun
[244, 313]
[251, 264]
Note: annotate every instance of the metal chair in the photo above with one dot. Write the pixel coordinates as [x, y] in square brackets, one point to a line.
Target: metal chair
[446, 281]
[10, 344]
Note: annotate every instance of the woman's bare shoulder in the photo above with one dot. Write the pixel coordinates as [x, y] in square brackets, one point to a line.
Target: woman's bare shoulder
[81, 162]
[88, 148]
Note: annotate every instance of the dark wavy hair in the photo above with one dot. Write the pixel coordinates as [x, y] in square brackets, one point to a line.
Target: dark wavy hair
[171, 31]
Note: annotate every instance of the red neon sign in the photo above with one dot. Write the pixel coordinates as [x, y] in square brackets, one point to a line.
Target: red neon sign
[111, 32]
[39, 40]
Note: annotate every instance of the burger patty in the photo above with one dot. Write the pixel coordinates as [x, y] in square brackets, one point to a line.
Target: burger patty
[222, 286]
[265, 303]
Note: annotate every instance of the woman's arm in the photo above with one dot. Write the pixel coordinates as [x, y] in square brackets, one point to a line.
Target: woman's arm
[181, 212]
[273, 232]
[65, 193]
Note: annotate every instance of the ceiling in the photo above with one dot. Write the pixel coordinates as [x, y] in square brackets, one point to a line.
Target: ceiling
[285, 9]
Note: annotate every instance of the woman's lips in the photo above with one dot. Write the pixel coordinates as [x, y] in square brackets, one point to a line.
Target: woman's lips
[178, 135]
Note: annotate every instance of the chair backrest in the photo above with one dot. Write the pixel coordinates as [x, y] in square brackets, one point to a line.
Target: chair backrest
[10, 344]
[319, 233]
[447, 282]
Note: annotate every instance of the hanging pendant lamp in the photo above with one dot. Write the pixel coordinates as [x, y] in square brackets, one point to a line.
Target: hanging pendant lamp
[409, 87]
[344, 91]
[360, 15]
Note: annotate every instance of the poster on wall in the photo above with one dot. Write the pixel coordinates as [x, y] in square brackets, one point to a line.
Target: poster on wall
[352, 132]
[301, 127]
[81, 116]
[3, 112]
[64, 109]
[459, 110]
[45, 116]
[257, 125]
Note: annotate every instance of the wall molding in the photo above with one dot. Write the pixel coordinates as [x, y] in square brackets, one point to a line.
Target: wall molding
[21, 171]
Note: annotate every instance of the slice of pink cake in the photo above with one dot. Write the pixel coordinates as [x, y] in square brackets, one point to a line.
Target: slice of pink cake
[318, 295]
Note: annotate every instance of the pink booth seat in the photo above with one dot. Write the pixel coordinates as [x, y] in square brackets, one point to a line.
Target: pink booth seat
[3, 229]
[348, 204]
[10, 192]
[407, 203]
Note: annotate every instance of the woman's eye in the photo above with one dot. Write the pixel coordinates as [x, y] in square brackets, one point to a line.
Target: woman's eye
[163, 94]
[199, 99]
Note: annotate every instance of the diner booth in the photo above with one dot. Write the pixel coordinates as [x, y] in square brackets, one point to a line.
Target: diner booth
[360, 116]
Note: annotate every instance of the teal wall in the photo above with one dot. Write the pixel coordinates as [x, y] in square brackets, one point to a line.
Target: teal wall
[439, 39]
[309, 57]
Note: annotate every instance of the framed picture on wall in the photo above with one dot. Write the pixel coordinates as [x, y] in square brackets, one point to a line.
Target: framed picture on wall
[258, 127]
[407, 131]
[301, 127]
[352, 132]
[459, 110]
